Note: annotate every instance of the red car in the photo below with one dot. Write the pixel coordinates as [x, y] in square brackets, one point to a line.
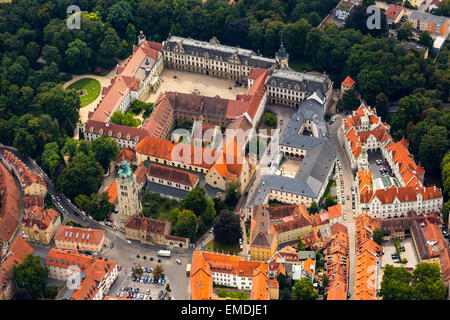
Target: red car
[119, 267]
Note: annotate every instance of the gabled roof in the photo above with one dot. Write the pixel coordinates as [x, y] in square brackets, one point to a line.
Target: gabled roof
[348, 82]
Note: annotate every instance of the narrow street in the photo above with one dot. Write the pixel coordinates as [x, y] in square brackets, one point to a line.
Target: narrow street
[338, 143]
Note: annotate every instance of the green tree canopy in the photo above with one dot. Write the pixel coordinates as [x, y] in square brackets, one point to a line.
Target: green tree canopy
[304, 290]
[227, 228]
[31, 276]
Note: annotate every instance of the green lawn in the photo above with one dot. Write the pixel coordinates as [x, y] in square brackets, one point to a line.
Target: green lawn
[233, 295]
[215, 246]
[92, 88]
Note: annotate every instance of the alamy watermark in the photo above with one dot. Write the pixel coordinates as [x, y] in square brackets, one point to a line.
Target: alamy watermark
[74, 20]
[374, 20]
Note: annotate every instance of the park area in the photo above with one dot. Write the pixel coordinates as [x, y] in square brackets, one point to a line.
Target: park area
[88, 89]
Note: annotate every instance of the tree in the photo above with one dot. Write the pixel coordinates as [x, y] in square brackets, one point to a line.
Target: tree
[62, 105]
[119, 14]
[130, 34]
[433, 147]
[304, 290]
[195, 201]
[186, 225]
[50, 158]
[300, 245]
[227, 228]
[425, 39]
[349, 100]
[77, 55]
[232, 193]
[31, 276]
[427, 283]
[382, 105]
[238, 32]
[83, 175]
[378, 235]
[396, 283]
[270, 120]
[157, 271]
[137, 271]
[105, 150]
[108, 48]
[314, 208]
[210, 212]
[405, 32]
[329, 201]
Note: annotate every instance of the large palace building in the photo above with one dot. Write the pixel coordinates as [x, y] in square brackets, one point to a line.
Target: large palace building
[212, 58]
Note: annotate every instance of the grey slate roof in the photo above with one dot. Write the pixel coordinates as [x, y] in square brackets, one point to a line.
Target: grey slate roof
[192, 46]
[426, 17]
[317, 163]
[312, 110]
[297, 81]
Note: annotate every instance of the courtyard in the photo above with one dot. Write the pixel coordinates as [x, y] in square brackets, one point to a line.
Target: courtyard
[409, 254]
[290, 167]
[186, 82]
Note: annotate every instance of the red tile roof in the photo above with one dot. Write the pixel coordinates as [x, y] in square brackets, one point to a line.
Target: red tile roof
[128, 155]
[15, 256]
[39, 217]
[173, 175]
[393, 11]
[112, 192]
[348, 82]
[82, 235]
[9, 206]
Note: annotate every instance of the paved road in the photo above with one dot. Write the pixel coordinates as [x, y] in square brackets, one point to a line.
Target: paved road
[338, 143]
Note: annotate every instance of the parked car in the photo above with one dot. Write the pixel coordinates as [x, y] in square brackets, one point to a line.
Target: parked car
[178, 261]
[163, 282]
[281, 121]
[111, 245]
[119, 267]
[128, 241]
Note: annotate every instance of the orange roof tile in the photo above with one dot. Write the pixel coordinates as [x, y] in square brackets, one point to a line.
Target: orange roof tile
[348, 82]
[112, 192]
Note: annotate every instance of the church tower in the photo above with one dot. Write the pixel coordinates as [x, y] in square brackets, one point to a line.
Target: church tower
[141, 38]
[127, 192]
[282, 57]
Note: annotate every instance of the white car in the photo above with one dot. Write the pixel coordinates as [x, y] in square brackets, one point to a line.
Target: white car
[128, 241]
[178, 261]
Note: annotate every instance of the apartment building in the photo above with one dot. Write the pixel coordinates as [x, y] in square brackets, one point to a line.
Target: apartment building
[396, 202]
[435, 25]
[39, 225]
[83, 239]
[30, 182]
[212, 268]
[91, 278]
[368, 258]
[336, 251]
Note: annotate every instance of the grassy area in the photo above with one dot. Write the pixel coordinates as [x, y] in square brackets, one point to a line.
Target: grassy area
[91, 86]
[215, 246]
[74, 224]
[300, 66]
[233, 295]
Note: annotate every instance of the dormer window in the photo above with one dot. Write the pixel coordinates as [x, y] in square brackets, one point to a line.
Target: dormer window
[101, 131]
[119, 135]
[128, 137]
[110, 133]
